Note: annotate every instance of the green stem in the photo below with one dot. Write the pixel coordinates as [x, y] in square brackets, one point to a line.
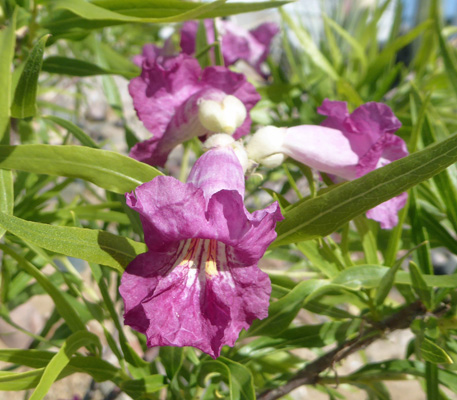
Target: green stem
[292, 181]
[185, 163]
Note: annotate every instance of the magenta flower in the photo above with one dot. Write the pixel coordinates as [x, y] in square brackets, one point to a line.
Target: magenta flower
[151, 53]
[198, 285]
[346, 146]
[237, 43]
[177, 100]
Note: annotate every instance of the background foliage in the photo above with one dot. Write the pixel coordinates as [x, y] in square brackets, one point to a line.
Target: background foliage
[339, 282]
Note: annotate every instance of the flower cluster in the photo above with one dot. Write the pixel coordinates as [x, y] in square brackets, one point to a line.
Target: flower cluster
[199, 284]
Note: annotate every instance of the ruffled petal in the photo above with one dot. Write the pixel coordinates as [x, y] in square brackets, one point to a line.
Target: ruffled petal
[170, 211]
[237, 43]
[336, 111]
[248, 234]
[151, 53]
[201, 298]
[387, 213]
[162, 88]
[264, 34]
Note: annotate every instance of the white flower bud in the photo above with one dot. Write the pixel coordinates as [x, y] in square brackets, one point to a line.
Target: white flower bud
[273, 161]
[222, 117]
[218, 140]
[265, 146]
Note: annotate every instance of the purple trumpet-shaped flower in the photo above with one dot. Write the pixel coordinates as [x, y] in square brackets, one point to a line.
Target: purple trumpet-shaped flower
[237, 43]
[345, 145]
[198, 285]
[177, 100]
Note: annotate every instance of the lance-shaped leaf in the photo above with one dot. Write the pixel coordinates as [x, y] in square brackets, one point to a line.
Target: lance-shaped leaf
[106, 169]
[61, 359]
[322, 215]
[88, 244]
[24, 102]
[97, 14]
[7, 42]
[66, 311]
[237, 376]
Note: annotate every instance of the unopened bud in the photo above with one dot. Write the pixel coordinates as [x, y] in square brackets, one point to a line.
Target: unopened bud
[265, 146]
[225, 116]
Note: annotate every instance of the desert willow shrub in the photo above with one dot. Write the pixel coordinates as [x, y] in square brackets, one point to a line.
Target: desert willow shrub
[252, 208]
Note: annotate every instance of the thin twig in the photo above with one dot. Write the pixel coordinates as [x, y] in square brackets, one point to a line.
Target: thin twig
[309, 375]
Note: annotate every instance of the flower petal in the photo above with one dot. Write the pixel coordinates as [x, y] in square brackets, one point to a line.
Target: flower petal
[218, 169]
[170, 211]
[184, 124]
[183, 304]
[327, 150]
[249, 234]
[162, 88]
[387, 149]
[387, 213]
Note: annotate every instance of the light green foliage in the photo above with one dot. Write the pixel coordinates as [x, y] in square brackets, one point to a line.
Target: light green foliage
[339, 282]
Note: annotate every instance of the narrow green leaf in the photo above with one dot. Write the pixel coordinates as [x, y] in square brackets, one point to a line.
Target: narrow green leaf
[63, 307]
[77, 132]
[449, 60]
[322, 215]
[88, 244]
[443, 180]
[7, 42]
[106, 169]
[61, 359]
[368, 239]
[282, 312]
[398, 368]
[6, 194]
[238, 377]
[358, 49]
[112, 12]
[319, 258]
[310, 48]
[388, 279]
[369, 277]
[419, 285]
[431, 376]
[172, 359]
[202, 50]
[433, 353]
[91, 11]
[140, 387]
[419, 233]
[74, 67]
[99, 369]
[378, 65]
[10, 381]
[24, 102]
